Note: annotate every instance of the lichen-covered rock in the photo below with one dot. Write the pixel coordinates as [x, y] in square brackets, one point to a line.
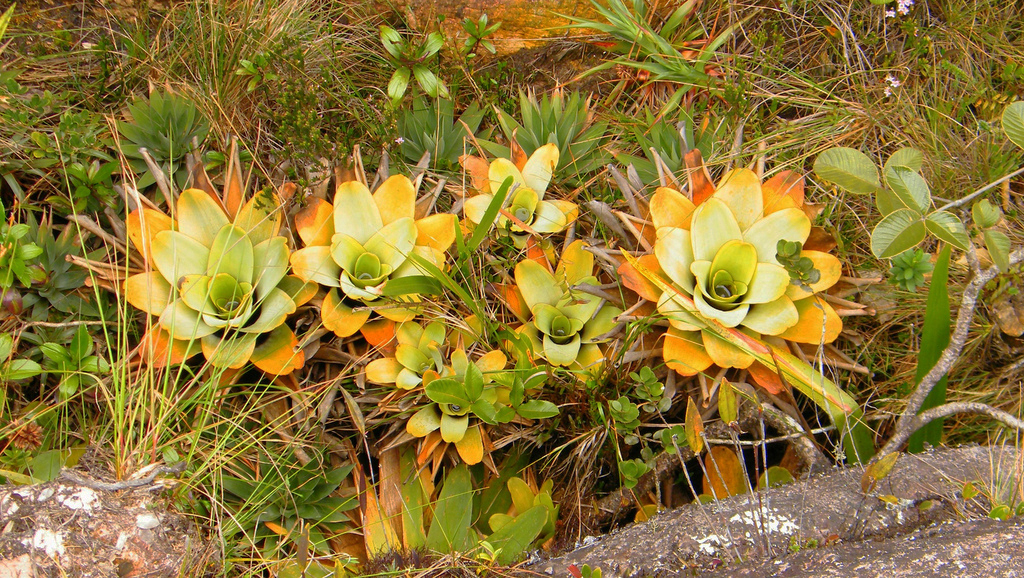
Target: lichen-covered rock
[65, 529]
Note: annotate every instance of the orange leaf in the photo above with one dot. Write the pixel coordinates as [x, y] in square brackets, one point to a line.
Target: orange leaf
[315, 223]
[276, 528]
[818, 322]
[784, 190]
[476, 168]
[639, 283]
[380, 333]
[724, 475]
[701, 187]
[234, 186]
[767, 378]
[518, 155]
[684, 352]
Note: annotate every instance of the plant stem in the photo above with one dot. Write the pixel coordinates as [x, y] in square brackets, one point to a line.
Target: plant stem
[977, 193]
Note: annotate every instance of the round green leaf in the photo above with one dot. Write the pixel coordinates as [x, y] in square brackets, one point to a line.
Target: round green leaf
[849, 169]
[949, 228]
[537, 409]
[998, 245]
[1013, 122]
[985, 214]
[886, 201]
[910, 158]
[447, 390]
[399, 83]
[910, 187]
[897, 232]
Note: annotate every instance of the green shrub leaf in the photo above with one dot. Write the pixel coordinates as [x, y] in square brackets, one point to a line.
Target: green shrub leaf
[515, 536]
[910, 158]
[849, 169]
[998, 245]
[949, 228]
[910, 187]
[1013, 122]
[453, 513]
[985, 214]
[897, 232]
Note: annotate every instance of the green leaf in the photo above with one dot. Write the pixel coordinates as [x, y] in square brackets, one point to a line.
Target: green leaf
[910, 158]
[849, 169]
[949, 228]
[431, 45]
[392, 41]
[537, 409]
[485, 410]
[6, 344]
[910, 187]
[473, 382]
[81, 344]
[1013, 122]
[516, 536]
[897, 232]
[21, 369]
[985, 214]
[774, 477]
[55, 353]
[448, 390]
[998, 245]
[426, 79]
[5, 20]
[934, 339]
[727, 406]
[412, 285]
[399, 83]
[453, 513]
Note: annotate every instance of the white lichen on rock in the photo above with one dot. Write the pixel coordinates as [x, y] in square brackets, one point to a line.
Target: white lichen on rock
[80, 498]
[50, 542]
[769, 521]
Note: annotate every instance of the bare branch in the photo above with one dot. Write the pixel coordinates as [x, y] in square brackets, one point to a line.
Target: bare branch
[919, 421]
[949, 355]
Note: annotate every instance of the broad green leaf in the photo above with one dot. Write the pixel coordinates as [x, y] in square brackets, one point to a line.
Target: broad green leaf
[949, 228]
[22, 369]
[849, 169]
[6, 343]
[774, 477]
[897, 232]
[485, 410]
[910, 187]
[391, 40]
[453, 513]
[1013, 122]
[516, 536]
[934, 339]
[887, 201]
[998, 245]
[399, 83]
[910, 158]
[537, 409]
[426, 79]
[985, 214]
[448, 390]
